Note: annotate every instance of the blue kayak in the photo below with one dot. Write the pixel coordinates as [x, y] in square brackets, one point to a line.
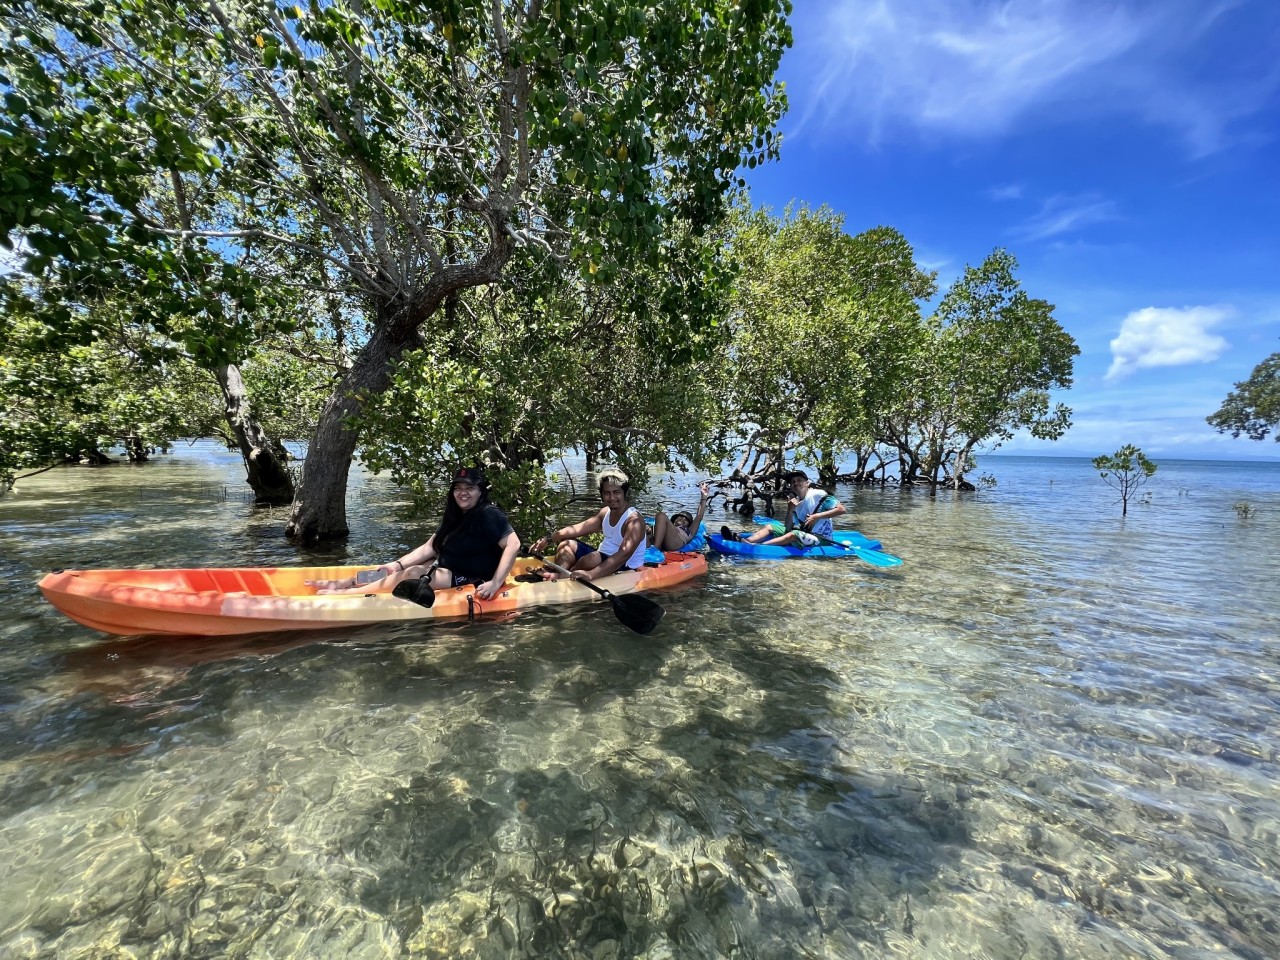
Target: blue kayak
[738, 548]
[851, 544]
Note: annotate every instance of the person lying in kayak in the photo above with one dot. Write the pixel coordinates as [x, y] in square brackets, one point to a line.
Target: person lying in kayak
[474, 544]
[809, 512]
[625, 536]
[679, 532]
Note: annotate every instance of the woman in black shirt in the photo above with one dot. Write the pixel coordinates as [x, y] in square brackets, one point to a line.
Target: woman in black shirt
[474, 544]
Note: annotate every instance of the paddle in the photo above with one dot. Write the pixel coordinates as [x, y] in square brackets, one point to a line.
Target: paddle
[417, 591]
[877, 558]
[639, 613]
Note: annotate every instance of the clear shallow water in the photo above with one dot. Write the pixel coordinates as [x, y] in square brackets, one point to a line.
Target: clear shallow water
[1050, 734]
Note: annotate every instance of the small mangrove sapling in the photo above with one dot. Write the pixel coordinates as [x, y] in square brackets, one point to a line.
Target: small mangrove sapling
[1125, 470]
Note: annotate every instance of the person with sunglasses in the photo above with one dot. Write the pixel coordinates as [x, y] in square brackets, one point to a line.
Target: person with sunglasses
[681, 532]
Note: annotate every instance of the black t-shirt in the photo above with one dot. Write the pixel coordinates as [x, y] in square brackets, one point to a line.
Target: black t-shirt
[472, 550]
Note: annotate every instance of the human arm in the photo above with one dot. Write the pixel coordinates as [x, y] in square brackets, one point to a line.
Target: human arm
[788, 522]
[510, 545]
[633, 534]
[573, 532]
[831, 508]
[418, 556]
[703, 500]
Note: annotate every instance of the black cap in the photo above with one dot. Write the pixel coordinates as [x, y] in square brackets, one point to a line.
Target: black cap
[797, 473]
[470, 475]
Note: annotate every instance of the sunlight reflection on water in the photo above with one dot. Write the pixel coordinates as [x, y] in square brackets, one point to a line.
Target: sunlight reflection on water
[1049, 734]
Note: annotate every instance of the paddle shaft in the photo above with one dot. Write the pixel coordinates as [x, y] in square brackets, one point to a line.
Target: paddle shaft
[586, 583]
[632, 610]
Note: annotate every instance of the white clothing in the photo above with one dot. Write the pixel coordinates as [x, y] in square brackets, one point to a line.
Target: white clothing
[612, 542]
[812, 503]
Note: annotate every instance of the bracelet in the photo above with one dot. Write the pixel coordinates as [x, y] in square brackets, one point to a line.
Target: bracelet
[401, 565]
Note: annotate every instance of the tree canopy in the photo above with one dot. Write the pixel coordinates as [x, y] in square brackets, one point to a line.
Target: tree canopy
[832, 354]
[396, 152]
[1253, 407]
[452, 230]
[1124, 471]
[990, 358]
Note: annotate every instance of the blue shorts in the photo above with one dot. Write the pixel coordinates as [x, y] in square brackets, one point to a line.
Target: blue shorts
[582, 549]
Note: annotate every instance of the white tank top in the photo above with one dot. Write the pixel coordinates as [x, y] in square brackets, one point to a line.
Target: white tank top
[612, 542]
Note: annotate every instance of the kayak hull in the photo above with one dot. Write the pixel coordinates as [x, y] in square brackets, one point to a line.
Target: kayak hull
[738, 548]
[227, 601]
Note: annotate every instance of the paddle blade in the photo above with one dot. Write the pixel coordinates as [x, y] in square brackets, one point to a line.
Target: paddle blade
[639, 613]
[877, 558]
[415, 591]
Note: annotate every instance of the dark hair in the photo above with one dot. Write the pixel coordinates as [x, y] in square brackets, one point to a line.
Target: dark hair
[455, 518]
[688, 516]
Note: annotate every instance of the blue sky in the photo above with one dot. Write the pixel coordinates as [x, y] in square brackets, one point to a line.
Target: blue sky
[1125, 151]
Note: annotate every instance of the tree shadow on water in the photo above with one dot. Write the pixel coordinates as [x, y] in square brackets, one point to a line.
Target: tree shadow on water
[733, 831]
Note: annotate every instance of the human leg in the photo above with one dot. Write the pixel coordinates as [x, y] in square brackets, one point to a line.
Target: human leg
[666, 535]
[569, 555]
[793, 538]
[763, 534]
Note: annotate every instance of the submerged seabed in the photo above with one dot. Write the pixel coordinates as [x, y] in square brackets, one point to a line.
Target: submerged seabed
[1050, 734]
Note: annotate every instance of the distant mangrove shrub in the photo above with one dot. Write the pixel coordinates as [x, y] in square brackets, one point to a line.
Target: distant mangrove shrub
[1125, 471]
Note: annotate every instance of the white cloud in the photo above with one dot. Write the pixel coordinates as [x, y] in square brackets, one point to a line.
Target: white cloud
[1060, 215]
[1166, 337]
[1010, 191]
[977, 67]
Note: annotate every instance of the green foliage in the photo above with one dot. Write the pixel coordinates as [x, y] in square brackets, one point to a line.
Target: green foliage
[983, 372]
[536, 371]
[382, 138]
[129, 384]
[1125, 471]
[396, 152]
[830, 353]
[56, 404]
[1253, 407]
[821, 324]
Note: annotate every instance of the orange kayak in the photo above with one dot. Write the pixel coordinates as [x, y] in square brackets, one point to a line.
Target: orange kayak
[231, 600]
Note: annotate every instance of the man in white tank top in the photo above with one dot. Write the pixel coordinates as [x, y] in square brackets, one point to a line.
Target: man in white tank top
[625, 536]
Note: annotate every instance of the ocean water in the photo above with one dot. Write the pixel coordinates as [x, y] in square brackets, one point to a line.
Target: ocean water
[1051, 733]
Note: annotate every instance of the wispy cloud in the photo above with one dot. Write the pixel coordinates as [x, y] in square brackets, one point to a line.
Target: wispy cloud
[1009, 191]
[1059, 215]
[1166, 337]
[976, 67]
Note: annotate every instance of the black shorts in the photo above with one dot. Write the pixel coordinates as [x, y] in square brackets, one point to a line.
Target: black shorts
[459, 579]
